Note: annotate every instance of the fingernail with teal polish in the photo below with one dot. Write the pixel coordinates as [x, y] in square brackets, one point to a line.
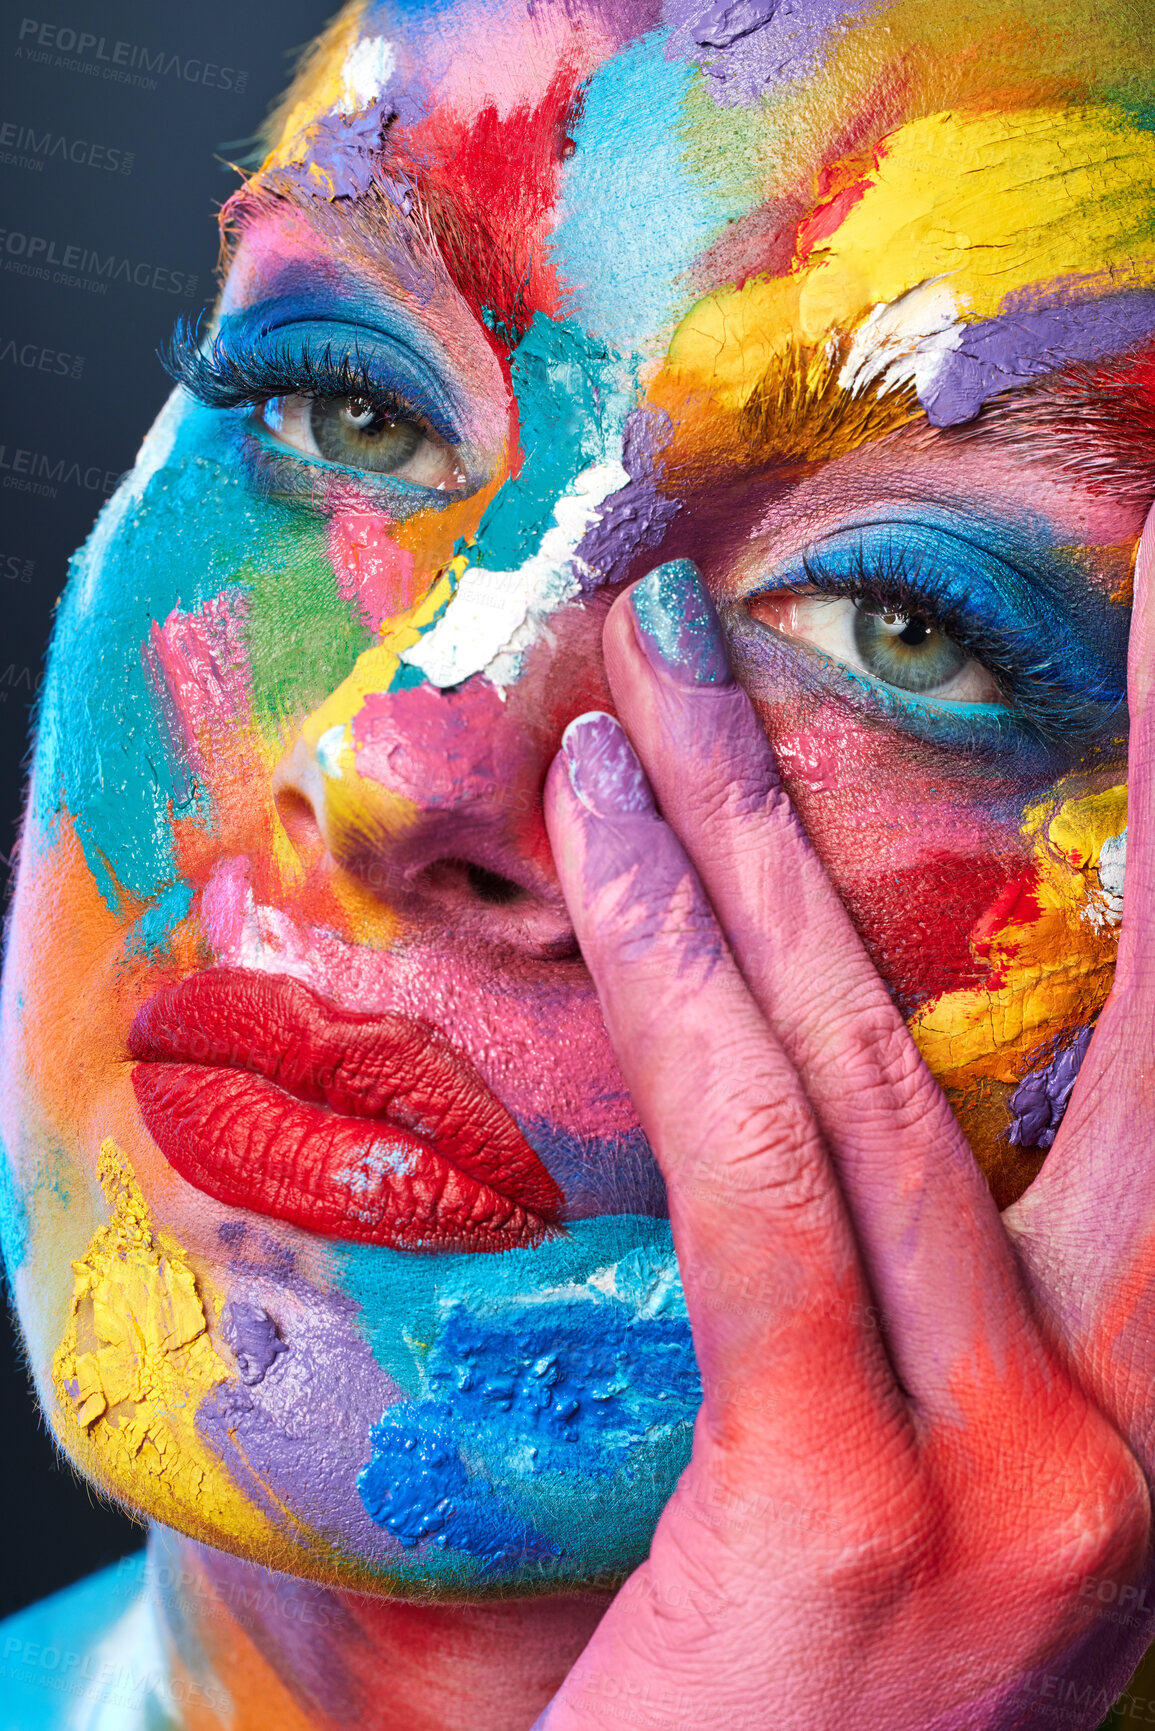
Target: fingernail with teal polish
[678, 626]
[603, 768]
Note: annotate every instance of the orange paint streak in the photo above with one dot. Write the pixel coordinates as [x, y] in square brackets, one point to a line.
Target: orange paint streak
[257, 1696]
[67, 933]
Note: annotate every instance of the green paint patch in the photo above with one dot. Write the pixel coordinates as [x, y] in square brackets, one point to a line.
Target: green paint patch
[303, 636]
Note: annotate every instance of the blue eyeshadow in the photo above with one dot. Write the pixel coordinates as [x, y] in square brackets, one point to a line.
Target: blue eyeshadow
[1056, 645]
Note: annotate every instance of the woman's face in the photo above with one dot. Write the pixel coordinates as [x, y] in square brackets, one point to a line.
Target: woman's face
[335, 1237]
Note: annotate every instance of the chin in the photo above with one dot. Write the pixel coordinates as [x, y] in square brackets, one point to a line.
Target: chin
[442, 1425]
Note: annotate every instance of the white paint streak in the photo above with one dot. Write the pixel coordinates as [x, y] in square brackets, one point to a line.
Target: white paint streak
[1106, 908]
[368, 67]
[495, 616]
[904, 341]
[329, 748]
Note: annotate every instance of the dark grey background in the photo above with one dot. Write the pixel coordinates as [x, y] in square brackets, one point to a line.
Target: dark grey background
[137, 178]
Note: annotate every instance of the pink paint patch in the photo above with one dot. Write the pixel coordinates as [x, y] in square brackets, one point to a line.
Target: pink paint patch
[434, 747]
[198, 663]
[371, 568]
[223, 905]
[817, 759]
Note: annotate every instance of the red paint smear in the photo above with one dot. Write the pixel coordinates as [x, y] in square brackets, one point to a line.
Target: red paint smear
[1017, 905]
[919, 923]
[490, 188]
[841, 185]
[827, 219]
[764, 241]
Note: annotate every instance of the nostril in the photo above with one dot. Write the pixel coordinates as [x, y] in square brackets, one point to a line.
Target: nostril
[492, 888]
[520, 915]
[297, 816]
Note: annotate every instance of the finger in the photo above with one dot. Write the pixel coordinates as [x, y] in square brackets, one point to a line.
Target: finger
[749, 1184]
[1087, 1224]
[914, 1191]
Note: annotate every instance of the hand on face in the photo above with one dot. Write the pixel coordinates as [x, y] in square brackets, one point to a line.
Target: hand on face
[926, 1436]
[313, 667]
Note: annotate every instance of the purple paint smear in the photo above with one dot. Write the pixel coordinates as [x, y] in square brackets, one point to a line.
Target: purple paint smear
[1040, 1100]
[252, 1334]
[298, 1435]
[998, 354]
[747, 47]
[635, 518]
[347, 148]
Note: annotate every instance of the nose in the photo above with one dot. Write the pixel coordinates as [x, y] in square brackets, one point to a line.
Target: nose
[427, 803]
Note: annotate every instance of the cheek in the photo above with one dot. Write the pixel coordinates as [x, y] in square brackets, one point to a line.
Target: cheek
[990, 905]
[384, 567]
[918, 849]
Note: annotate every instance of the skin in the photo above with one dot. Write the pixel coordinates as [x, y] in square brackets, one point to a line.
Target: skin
[796, 1007]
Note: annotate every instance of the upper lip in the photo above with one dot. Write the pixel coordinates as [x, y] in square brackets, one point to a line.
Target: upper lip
[361, 1126]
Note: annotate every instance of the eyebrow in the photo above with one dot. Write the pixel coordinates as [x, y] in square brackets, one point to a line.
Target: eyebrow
[1095, 420]
[432, 230]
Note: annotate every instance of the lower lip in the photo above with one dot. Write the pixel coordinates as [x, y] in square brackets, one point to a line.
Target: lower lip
[252, 1141]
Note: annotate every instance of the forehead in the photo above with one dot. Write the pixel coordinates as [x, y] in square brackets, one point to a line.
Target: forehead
[945, 201]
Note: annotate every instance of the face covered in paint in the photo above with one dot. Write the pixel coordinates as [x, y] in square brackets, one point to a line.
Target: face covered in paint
[334, 1234]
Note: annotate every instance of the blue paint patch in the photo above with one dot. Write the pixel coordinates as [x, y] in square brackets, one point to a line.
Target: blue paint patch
[626, 237]
[417, 1487]
[552, 1397]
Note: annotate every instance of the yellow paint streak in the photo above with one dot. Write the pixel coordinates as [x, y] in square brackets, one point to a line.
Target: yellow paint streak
[135, 1362]
[1048, 975]
[992, 203]
[374, 670]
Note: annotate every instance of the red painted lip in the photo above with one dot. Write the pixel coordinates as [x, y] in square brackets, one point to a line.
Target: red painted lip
[352, 1126]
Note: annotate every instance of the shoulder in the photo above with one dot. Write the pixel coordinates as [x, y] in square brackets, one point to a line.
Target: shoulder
[63, 1661]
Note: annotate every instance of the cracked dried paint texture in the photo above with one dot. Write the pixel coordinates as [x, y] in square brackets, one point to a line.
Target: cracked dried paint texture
[889, 275]
[1049, 946]
[135, 1363]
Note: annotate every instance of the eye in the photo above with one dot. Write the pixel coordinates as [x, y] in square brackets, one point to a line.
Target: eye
[359, 433]
[906, 650]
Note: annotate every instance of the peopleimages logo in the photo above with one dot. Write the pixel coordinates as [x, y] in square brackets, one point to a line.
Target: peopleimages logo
[24, 147]
[82, 267]
[25, 471]
[39, 358]
[121, 62]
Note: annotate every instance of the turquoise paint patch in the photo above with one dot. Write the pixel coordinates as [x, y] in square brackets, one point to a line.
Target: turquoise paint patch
[13, 1216]
[51, 1655]
[152, 931]
[551, 1399]
[571, 410]
[186, 525]
[627, 237]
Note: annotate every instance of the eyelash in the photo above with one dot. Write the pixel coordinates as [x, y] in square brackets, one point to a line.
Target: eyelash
[1043, 703]
[224, 376]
